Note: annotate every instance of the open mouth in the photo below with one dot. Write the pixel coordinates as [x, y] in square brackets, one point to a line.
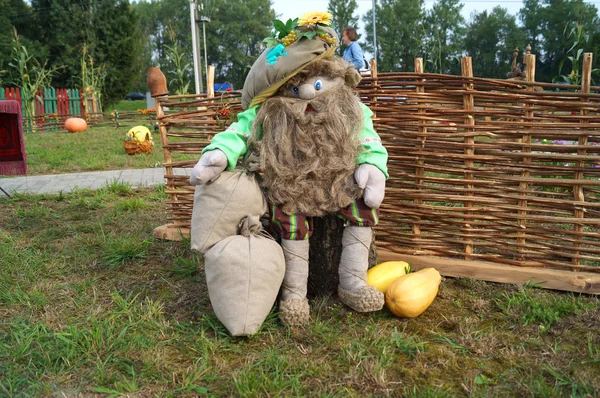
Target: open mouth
[309, 108]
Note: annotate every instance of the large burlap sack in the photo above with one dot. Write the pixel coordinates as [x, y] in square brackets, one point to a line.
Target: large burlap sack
[244, 273]
[220, 205]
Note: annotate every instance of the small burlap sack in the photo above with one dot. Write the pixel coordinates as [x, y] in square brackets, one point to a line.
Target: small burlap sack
[243, 274]
[220, 205]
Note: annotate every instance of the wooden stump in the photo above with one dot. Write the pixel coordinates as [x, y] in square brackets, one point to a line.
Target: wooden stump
[324, 256]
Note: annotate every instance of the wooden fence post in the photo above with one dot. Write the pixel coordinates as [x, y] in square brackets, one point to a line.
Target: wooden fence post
[210, 81]
[50, 106]
[50, 100]
[374, 84]
[82, 103]
[419, 171]
[578, 193]
[529, 60]
[38, 111]
[469, 151]
[63, 101]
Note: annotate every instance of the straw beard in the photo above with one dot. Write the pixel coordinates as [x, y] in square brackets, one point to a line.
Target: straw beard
[309, 157]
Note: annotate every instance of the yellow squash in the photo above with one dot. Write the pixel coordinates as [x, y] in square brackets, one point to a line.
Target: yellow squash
[413, 293]
[383, 275]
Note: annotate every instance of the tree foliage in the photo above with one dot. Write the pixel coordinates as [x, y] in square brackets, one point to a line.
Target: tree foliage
[548, 25]
[127, 37]
[446, 30]
[400, 33]
[233, 36]
[16, 14]
[342, 12]
[109, 30]
[490, 41]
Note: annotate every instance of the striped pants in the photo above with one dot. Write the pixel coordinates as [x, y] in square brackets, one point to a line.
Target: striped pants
[299, 226]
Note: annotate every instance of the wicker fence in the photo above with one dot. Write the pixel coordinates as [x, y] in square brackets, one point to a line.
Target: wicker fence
[494, 179]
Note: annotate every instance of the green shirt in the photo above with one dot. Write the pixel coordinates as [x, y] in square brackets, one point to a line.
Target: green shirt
[232, 142]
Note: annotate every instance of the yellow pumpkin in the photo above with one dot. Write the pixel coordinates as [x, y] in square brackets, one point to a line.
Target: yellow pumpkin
[384, 274]
[139, 134]
[75, 125]
[413, 293]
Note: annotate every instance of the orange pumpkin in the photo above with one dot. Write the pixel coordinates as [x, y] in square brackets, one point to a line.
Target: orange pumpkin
[75, 125]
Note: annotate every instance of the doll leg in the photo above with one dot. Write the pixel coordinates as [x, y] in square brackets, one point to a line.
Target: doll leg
[356, 241]
[295, 230]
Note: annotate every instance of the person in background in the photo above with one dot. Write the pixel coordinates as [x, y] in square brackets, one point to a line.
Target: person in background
[353, 53]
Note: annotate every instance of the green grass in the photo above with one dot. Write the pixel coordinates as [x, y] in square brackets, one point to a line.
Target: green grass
[91, 304]
[127, 106]
[99, 148]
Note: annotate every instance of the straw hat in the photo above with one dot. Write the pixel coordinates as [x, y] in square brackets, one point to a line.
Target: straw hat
[292, 47]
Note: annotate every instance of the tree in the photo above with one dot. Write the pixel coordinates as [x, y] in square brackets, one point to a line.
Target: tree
[147, 14]
[446, 31]
[556, 18]
[107, 28]
[343, 16]
[400, 34]
[166, 26]
[531, 21]
[17, 14]
[234, 37]
[117, 45]
[491, 39]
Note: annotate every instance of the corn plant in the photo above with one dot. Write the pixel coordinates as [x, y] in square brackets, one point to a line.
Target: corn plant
[31, 76]
[92, 81]
[581, 39]
[181, 68]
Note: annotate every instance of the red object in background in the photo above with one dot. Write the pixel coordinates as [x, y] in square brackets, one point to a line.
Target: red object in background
[12, 145]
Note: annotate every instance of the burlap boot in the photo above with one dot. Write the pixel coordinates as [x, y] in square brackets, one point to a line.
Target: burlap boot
[293, 306]
[353, 289]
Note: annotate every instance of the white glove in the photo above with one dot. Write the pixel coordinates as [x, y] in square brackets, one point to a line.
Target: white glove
[211, 164]
[372, 180]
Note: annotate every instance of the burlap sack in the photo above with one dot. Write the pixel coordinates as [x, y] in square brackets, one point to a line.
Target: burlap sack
[244, 273]
[220, 205]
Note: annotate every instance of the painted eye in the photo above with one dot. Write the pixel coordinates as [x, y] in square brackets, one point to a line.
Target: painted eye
[318, 85]
[295, 90]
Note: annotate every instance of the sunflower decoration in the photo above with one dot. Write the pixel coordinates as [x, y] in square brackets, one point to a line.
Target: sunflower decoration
[308, 26]
[315, 18]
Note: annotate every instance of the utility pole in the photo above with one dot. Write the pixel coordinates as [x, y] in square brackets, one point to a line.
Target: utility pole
[204, 19]
[196, 47]
[374, 34]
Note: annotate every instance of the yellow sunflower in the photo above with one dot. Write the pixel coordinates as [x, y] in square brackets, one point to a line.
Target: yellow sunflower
[314, 17]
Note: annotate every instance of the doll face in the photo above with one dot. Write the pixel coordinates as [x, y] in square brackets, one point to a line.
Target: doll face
[313, 87]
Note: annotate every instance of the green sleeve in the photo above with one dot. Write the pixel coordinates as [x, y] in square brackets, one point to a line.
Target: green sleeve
[374, 152]
[233, 140]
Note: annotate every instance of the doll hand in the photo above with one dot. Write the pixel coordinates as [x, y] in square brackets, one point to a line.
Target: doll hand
[372, 180]
[211, 164]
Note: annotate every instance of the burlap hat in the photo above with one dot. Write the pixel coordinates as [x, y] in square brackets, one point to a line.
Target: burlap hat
[276, 65]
